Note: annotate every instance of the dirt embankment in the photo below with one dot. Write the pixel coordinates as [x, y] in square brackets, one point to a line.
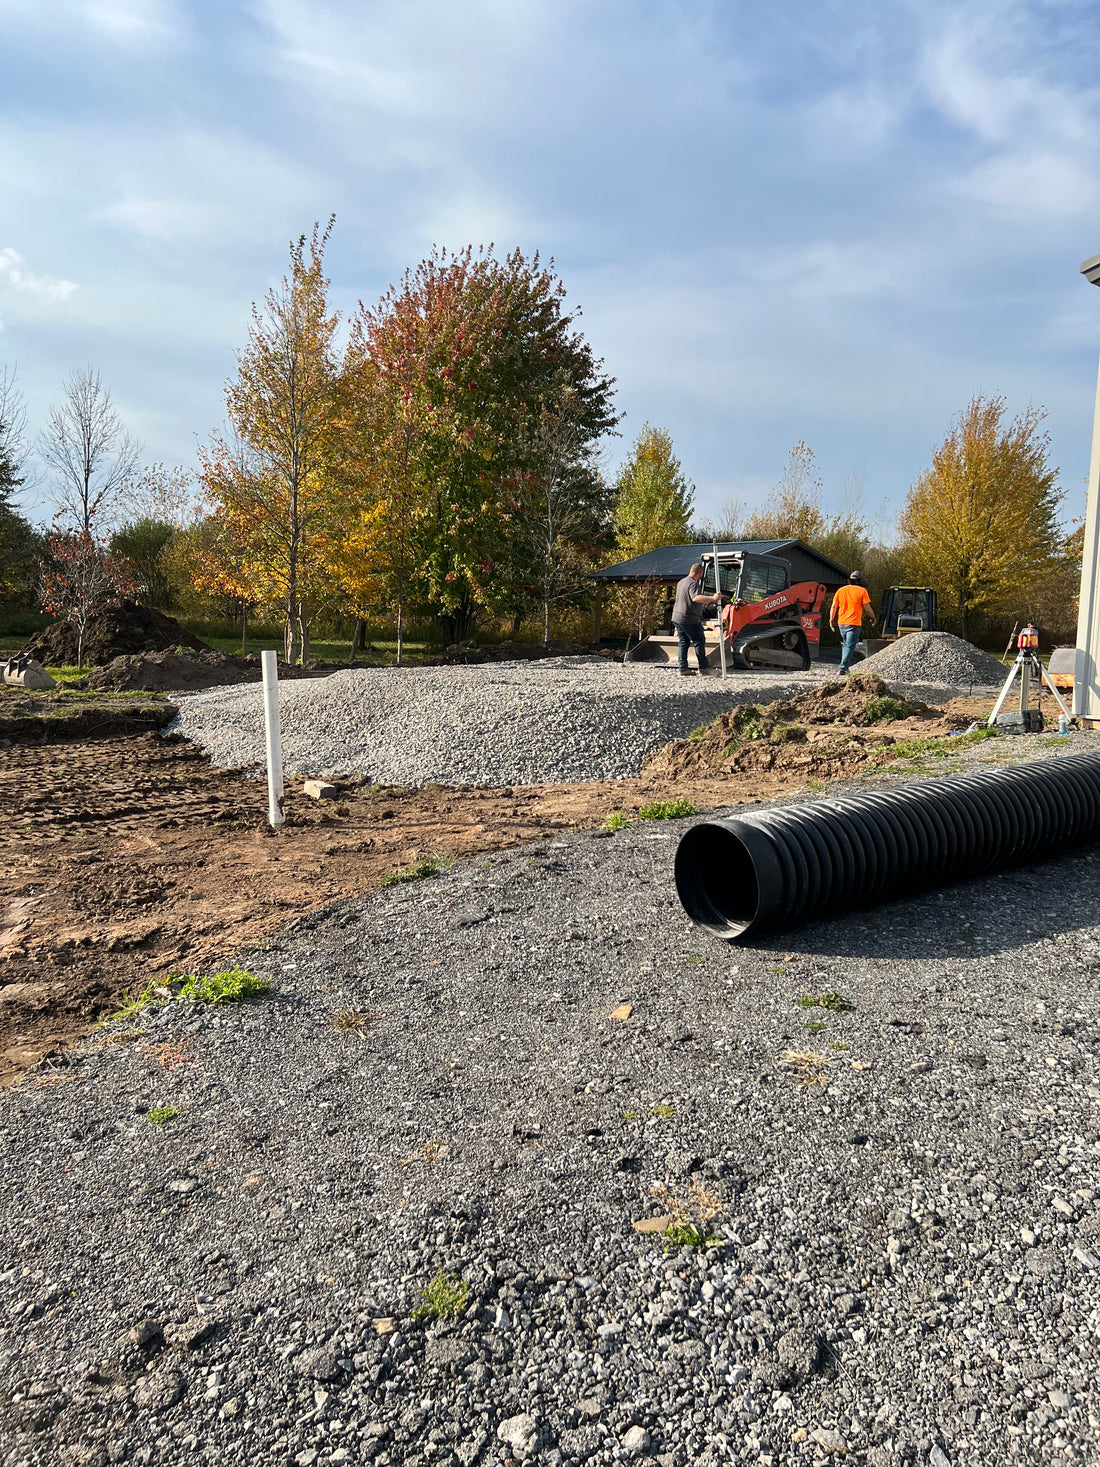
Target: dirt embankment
[834, 731]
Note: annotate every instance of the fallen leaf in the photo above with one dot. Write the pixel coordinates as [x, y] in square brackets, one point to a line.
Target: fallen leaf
[622, 1013]
[654, 1224]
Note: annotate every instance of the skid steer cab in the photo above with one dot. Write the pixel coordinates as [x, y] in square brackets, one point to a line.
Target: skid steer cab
[766, 622]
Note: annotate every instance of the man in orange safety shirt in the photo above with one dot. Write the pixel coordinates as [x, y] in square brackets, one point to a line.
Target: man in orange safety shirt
[850, 604]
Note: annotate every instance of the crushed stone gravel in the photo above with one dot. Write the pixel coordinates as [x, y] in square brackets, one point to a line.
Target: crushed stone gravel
[563, 720]
[935, 657]
[905, 1267]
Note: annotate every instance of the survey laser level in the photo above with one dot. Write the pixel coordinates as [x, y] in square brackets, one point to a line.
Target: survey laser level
[1026, 666]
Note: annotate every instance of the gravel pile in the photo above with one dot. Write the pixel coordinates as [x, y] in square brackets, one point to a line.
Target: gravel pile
[904, 1263]
[935, 657]
[562, 721]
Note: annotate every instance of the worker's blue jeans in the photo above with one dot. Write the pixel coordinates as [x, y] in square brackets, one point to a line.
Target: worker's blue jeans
[692, 636]
[849, 636]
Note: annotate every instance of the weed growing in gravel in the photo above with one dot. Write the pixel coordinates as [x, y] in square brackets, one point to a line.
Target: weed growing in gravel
[696, 959]
[691, 1216]
[814, 1026]
[443, 1297]
[807, 1066]
[161, 1113]
[883, 710]
[617, 821]
[667, 810]
[836, 1002]
[630, 1115]
[348, 1022]
[663, 1112]
[233, 986]
[428, 866]
[133, 1003]
[941, 748]
[840, 1046]
[124, 1036]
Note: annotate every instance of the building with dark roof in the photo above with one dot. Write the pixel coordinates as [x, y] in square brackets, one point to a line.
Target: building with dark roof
[671, 563]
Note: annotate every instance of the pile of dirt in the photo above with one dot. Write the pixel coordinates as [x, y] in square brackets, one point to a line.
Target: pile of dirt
[171, 671]
[469, 652]
[934, 657]
[828, 732]
[118, 631]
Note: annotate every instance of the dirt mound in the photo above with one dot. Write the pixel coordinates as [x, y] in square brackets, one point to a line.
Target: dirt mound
[828, 732]
[934, 657]
[170, 671]
[470, 652]
[118, 631]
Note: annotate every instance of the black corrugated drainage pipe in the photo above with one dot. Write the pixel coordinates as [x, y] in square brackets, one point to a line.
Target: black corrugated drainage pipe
[778, 868]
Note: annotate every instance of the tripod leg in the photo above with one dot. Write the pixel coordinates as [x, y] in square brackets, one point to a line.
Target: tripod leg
[1054, 691]
[1000, 703]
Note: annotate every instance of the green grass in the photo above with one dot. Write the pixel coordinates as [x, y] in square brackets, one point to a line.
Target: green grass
[697, 735]
[429, 866]
[886, 708]
[233, 986]
[161, 1113]
[940, 748]
[814, 1026]
[667, 810]
[617, 821]
[442, 1298]
[689, 1235]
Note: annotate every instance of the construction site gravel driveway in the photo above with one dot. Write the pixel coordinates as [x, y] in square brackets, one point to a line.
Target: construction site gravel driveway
[388, 1210]
[560, 721]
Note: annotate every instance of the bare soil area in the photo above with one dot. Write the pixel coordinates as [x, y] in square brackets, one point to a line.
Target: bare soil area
[125, 856]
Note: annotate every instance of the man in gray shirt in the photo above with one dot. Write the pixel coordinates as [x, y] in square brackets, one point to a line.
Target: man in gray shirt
[687, 618]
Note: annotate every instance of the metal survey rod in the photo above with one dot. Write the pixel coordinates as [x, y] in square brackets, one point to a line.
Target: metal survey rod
[275, 815]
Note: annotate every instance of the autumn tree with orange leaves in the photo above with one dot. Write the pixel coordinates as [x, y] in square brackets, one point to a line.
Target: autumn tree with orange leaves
[453, 375]
[277, 481]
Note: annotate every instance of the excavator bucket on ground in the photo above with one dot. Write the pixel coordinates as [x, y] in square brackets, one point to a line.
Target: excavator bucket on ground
[25, 672]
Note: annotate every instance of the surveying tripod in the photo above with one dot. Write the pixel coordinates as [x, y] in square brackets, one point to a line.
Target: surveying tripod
[1027, 720]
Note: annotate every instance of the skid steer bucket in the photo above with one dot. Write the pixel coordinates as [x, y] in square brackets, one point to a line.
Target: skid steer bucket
[25, 672]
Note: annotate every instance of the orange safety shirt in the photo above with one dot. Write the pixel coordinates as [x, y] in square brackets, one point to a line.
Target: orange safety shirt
[848, 604]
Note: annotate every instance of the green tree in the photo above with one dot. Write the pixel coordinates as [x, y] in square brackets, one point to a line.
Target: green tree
[143, 544]
[980, 525]
[653, 499]
[21, 547]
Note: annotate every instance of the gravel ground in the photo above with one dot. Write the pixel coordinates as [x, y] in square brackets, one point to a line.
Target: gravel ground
[908, 1264]
[936, 657]
[564, 720]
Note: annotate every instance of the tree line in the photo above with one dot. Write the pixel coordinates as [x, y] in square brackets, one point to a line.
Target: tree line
[436, 460]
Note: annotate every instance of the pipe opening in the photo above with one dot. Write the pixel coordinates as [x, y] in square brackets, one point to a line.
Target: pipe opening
[717, 881]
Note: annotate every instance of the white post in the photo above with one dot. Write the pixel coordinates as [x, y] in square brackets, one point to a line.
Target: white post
[1086, 677]
[269, 662]
[718, 591]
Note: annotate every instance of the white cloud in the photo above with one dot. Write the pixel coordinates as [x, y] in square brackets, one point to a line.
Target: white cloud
[15, 275]
[131, 25]
[168, 219]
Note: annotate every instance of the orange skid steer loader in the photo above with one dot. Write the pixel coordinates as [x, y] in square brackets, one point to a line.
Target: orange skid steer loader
[766, 622]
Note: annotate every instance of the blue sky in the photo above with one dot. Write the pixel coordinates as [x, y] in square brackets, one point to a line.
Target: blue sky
[829, 221]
